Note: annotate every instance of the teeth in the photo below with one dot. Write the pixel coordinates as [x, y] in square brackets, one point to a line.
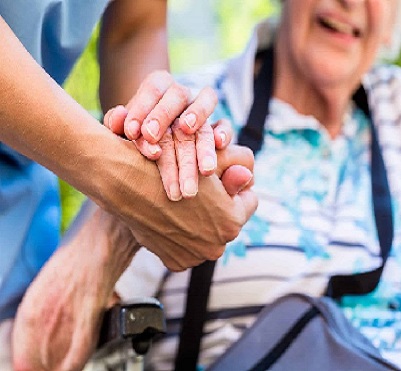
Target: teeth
[339, 26]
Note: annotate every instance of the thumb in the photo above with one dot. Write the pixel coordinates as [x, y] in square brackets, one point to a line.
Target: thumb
[236, 178]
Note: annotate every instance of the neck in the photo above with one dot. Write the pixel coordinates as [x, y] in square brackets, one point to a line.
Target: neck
[327, 107]
[328, 103]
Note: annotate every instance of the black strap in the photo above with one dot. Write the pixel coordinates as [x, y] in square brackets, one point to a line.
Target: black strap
[366, 282]
[252, 135]
[195, 316]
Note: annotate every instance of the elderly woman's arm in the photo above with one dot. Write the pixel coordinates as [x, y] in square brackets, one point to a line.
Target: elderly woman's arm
[58, 322]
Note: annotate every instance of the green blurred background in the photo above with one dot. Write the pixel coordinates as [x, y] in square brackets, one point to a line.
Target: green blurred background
[200, 32]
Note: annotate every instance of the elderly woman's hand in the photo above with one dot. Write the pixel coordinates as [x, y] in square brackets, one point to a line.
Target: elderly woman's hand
[172, 128]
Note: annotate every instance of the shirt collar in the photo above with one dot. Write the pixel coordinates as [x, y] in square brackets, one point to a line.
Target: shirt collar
[283, 118]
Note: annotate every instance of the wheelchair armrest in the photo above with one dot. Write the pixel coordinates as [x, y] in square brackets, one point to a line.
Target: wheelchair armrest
[138, 322]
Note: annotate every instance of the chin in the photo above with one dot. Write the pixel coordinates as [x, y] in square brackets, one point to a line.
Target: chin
[334, 75]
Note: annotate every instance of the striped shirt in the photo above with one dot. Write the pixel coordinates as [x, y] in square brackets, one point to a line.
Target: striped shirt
[315, 217]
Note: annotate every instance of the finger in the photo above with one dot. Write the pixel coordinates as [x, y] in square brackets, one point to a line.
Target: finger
[234, 155]
[205, 150]
[150, 151]
[175, 100]
[114, 119]
[223, 133]
[247, 203]
[148, 96]
[236, 178]
[198, 111]
[168, 167]
[187, 162]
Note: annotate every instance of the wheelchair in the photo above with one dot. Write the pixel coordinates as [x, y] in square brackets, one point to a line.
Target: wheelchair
[127, 332]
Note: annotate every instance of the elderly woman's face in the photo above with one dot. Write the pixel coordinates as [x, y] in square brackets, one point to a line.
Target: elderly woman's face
[334, 40]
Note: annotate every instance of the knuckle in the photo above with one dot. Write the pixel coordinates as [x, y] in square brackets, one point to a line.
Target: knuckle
[174, 267]
[141, 105]
[157, 82]
[248, 154]
[231, 232]
[167, 138]
[156, 90]
[187, 158]
[215, 252]
[165, 112]
[211, 94]
[205, 134]
[182, 93]
[203, 111]
[182, 137]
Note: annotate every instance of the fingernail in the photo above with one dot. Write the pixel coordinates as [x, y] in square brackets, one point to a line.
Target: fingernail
[208, 163]
[153, 148]
[246, 183]
[109, 120]
[190, 120]
[190, 188]
[175, 193]
[223, 137]
[153, 128]
[132, 128]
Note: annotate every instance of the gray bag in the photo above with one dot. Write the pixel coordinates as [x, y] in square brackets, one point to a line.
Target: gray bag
[297, 332]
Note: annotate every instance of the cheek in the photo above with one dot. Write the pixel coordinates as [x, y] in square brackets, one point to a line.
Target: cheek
[381, 19]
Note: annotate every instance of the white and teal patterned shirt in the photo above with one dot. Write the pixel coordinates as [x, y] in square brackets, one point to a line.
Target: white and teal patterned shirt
[315, 217]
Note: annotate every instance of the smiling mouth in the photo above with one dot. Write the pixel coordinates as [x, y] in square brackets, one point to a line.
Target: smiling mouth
[339, 27]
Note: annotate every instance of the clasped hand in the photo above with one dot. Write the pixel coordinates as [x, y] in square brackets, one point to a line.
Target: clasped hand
[169, 125]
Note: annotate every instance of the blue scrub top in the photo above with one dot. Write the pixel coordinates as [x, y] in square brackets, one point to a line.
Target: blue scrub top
[55, 32]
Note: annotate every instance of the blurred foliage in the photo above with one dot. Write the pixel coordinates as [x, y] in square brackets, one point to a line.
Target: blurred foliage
[71, 201]
[220, 30]
[82, 85]
[236, 19]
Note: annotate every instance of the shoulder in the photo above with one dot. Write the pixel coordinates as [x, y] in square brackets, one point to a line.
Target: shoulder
[383, 75]
[383, 86]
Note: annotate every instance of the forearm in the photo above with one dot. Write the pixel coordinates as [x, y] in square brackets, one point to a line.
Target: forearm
[132, 43]
[39, 120]
[58, 321]
[97, 233]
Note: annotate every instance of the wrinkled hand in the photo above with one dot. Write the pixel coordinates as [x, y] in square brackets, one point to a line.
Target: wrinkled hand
[182, 145]
[185, 233]
[58, 322]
